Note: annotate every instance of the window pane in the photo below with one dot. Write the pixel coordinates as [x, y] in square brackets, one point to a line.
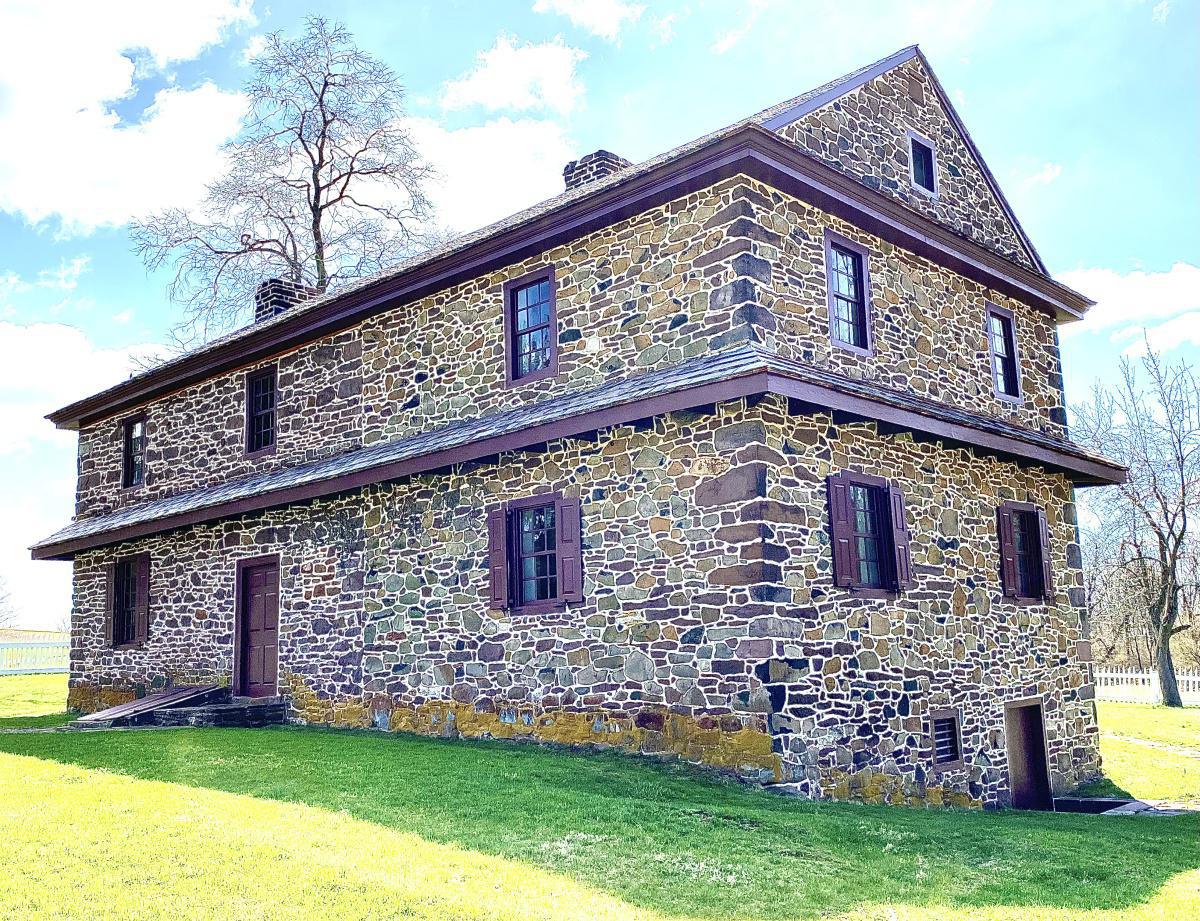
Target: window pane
[849, 304]
[867, 504]
[922, 165]
[536, 562]
[530, 306]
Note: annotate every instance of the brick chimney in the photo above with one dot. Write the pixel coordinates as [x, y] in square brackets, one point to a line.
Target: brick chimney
[275, 295]
[592, 166]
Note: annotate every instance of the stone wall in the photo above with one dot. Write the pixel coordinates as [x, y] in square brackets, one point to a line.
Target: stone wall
[192, 592]
[197, 437]
[863, 134]
[710, 628]
[732, 263]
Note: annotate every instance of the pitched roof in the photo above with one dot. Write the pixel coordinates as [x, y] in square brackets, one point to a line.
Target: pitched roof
[174, 369]
[739, 372]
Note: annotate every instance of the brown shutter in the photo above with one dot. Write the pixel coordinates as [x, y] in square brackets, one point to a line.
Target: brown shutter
[497, 526]
[1044, 550]
[570, 554]
[900, 538]
[841, 531]
[110, 579]
[1008, 550]
[141, 610]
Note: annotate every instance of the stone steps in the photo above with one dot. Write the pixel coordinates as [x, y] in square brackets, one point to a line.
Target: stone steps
[242, 714]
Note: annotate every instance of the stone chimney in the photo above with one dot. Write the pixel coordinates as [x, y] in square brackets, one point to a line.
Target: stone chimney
[275, 295]
[592, 166]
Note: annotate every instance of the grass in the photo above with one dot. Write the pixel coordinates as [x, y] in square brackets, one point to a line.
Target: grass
[378, 823]
[32, 695]
[1168, 725]
[357, 825]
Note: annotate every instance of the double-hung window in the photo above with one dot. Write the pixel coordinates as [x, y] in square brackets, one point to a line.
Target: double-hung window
[530, 327]
[260, 411]
[534, 555]
[128, 609]
[1002, 342]
[847, 293]
[869, 534]
[133, 451]
[1025, 565]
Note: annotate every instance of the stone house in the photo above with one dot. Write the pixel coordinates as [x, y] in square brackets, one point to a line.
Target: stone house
[754, 454]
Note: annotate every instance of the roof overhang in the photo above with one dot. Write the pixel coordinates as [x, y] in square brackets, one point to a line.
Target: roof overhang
[725, 377]
[749, 150]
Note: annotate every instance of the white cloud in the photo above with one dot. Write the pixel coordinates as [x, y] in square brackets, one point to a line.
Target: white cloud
[66, 276]
[664, 28]
[519, 77]
[43, 366]
[1165, 304]
[604, 18]
[123, 317]
[747, 18]
[68, 154]
[493, 170]
[254, 48]
[28, 391]
[1161, 11]
[1046, 175]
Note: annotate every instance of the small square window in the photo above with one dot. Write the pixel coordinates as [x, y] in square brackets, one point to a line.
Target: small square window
[260, 411]
[947, 739]
[535, 554]
[1002, 342]
[848, 294]
[922, 163]
[133, 461]
[530, 327]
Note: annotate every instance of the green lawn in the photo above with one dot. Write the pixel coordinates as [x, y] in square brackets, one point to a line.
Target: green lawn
[1169, 725]
[361, 824]
[32, 695]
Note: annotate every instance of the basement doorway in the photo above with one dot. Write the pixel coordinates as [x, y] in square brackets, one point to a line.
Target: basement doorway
[1028, 774]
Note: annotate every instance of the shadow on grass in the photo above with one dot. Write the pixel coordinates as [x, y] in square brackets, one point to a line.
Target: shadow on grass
[43, 721]
[1104, 788]
[660, 836]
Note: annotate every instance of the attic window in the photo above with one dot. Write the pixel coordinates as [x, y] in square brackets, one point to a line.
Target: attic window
[922, 164]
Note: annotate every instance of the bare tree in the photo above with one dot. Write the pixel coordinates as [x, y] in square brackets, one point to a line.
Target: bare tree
[8, 615]
[1147, 522]
[323, 185]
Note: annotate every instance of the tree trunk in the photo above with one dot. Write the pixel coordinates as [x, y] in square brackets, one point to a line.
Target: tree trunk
[1166, 670]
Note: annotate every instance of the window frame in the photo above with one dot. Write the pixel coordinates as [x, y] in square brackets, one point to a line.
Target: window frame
[995, 310]
[512, 513]
[946, 713]
[127, 425]
[139, 612]
[834, 239]
[504, 557]
[510, 287]
[914, 137]
[251, 376]
[897, 558]
[1042, 535]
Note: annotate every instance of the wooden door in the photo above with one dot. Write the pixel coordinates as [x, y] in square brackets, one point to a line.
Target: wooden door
[258, 616]
[1028, 777]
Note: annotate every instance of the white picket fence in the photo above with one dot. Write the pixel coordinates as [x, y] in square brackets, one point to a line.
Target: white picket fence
[1142, 686]
[34, 658]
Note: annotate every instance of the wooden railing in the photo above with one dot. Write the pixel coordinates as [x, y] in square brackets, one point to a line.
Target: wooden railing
[34, 658]
[1138, 686]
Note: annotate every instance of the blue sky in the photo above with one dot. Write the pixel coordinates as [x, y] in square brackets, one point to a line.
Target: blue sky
[1087, 112]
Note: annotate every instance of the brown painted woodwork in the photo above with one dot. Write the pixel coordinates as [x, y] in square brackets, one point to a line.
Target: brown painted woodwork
[258, 628]
[1029, 780]
[497, 525]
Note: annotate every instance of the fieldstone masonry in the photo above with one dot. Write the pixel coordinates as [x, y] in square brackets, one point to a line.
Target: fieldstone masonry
[710, 630]
[710, 627]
